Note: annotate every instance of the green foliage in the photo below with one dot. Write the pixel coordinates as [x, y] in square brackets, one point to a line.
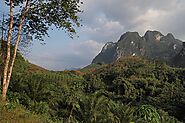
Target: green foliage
[128, 91]
[148, 114]
[14, 113]
[138, 82]
[47, 93]
[43, 14]
[96, 109]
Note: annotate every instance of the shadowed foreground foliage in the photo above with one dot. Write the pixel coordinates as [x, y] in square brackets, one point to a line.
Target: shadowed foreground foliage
[14, 113]
[129, 90]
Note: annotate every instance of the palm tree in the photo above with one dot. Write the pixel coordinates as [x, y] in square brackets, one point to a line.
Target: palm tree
[96, 108]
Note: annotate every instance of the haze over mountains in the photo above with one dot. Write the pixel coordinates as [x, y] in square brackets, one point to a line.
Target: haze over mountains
[153, 45]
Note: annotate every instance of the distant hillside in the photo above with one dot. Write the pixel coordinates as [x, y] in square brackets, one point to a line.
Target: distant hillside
[34, 67]
[21, 64]
[153, 45]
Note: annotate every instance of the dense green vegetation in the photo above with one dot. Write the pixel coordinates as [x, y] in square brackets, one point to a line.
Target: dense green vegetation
[138, 82]
[129, 90]
[14, 113]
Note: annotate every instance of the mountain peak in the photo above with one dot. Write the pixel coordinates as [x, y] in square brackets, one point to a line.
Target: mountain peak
[108, 45]
[153, 45]
[154, 32]
[153, 35]
[170, 35]
[129, 34]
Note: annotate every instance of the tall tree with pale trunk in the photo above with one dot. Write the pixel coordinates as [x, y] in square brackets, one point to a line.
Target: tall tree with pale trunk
[33, 19]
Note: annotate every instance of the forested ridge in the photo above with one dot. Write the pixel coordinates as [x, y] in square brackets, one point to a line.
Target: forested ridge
[131, 90]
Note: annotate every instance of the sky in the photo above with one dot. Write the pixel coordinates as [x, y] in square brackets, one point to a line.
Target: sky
[105, 21]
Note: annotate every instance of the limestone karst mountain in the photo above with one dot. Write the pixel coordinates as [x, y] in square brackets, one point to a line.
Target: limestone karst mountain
[153, 45]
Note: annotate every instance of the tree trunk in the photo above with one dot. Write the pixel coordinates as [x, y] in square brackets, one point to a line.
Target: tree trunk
[9, 68]
[15, 51]
[4, 88]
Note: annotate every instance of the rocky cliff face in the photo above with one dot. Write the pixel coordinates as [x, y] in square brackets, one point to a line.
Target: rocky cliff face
[179, 59]
[153, 45]
[108, 53]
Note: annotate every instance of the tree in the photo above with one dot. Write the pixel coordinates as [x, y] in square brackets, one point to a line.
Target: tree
[148, 114]
[33, 18]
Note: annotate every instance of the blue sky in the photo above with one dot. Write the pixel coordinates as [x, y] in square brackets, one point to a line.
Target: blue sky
[104, 21]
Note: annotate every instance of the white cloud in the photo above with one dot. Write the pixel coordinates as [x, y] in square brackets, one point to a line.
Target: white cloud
[107, 20]
[104, 30]
[151, 15]
[135, 15]
[88, 48]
